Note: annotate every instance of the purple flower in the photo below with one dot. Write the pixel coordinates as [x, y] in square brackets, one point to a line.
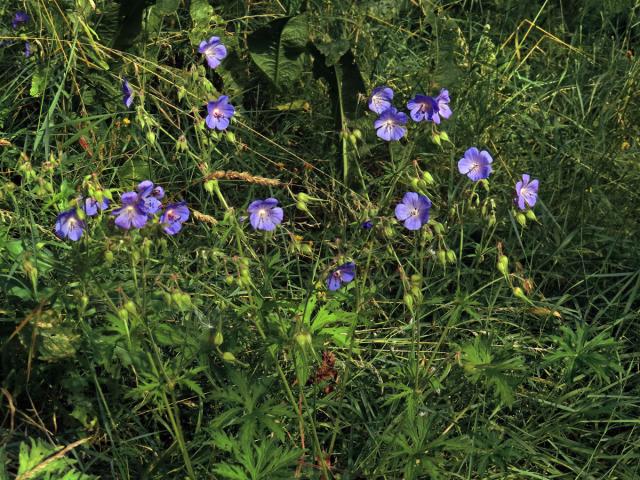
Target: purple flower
[69, 225]
[149, 195]
[414, 210]
[380, 99]
[527, 192]
[174, 216]
[220, 113]
[367, 225]
[443, 100]
[132, 213]
[18, 18]
[475, 165]
[127, 93]
[389, 125]
[343, 274]
[91, 206]
[423, 107]
[265, 214]
[213, 50]
[27, 49]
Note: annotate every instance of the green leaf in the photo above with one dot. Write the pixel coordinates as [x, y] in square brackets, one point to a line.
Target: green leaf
[167, 7]
[38, 83]
[200, 11]
[278, 49]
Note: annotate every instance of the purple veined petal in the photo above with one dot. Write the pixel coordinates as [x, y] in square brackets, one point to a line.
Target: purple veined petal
[145, 187]
[465, 164]
[172, 228]
[277, 215]
[402, 211]
[397, 133]
[534, 185]
[411, 199]
[348, 272]
[413, 222]
[380, 99]
[525, 178]
[158, 192]
[128, 198]
[151, 205]
[518, 187]
[435, 118]
[255, 206]
[333, 282]
[486, 156]
[444, 110]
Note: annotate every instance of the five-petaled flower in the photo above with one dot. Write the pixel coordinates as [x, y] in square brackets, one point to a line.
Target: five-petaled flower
[265, 214]
[220, 113]
[18, 18]
[132, 213]
[213, 51]
[413, 210]
[475, 164]
[343, 274]
[367, 225]
[380, 99]
[91, 206]
[150, 196]
[424, 107]
[527, 192]
[174, 216]
[69, 225]
[389, 125]
[127, 93]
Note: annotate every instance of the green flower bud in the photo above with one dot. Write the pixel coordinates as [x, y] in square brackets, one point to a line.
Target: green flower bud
[357, 133]
[428, 179]
[131, 307]
[123, 314]
[415, 183]
[151, 137]
[408, 301]
[416, 292]
[503, 265]
[218, 338]
[210, 185]
[353, 140]
[416, 279]
[229, 279]
[531, 216]
[302, 206]
[303, 339]
[522, 220]
[444, 136]
[228, 357]
[451, 256]
[492, 219]
[517, 291]
[231, 137]
[435, 138]
[442, 257]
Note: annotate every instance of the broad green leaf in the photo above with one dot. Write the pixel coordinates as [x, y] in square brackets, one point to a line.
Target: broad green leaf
[278, 49]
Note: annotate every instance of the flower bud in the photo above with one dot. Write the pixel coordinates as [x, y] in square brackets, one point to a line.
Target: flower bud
[231, 137]
[151, 137]
[435, 138]
[522, 220]
[415, 183]
[123, 314]
[303, 339]
[531, 216]
[228, 357]
[416, 279]
[357, 133]
[229, 279]
[442, 257]
[517, 291]
[444, 136]
[503, 265]
[210, 185]
[408, 301]
[451, 256]
[218, 338]
[492, 219]
[416, 292]
[300, 205]
[131, 307]
[428, 179]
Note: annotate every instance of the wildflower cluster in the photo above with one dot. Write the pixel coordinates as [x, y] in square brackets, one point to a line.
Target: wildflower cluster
[390, 125]
[136, 210]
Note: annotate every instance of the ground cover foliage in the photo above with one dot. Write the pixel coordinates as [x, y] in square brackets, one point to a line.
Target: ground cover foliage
[491, 343]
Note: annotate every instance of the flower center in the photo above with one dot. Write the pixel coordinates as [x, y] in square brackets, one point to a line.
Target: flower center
[474, 166]
[414, 212]
[389, 123]
[171, 215]
[262, 213]
[217, 113]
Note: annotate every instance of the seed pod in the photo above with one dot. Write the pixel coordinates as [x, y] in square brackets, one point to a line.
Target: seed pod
[229, 279]
[503, 265]
[531, 216]
[231, 137]
[522, 220]
[228, 357]
[415, 183]
[451, 256]
[303, 339]
[357, 133]
[442, 257]
[428, 179]
[123, 314]
[218, 338]
[416, 279]
[131, 307]
[408, 300]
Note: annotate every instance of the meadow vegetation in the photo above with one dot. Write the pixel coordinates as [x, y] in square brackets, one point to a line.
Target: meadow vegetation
[226, 259]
